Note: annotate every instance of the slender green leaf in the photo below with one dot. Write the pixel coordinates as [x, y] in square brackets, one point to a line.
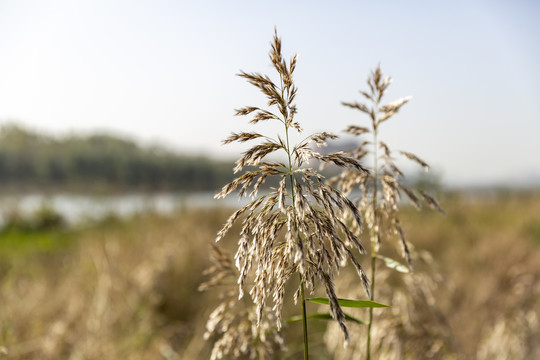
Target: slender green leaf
[324, 316]
[349, 303]
[393, 264]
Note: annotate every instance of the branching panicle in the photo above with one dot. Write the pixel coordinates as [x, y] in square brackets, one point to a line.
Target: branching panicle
[295, 229]
[385, 181]
[381, 188]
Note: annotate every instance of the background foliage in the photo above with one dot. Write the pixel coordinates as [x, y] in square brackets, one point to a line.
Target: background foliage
[29, 159]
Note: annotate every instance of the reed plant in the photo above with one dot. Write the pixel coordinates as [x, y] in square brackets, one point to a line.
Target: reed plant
[296, 230]
[382, 187]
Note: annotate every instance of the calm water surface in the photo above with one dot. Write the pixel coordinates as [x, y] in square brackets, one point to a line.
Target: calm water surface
[77, 208]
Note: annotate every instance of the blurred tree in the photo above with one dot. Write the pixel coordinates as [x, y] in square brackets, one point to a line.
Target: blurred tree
[31, 159]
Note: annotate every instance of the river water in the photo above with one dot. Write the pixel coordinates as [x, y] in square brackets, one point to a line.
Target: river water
[78, 208]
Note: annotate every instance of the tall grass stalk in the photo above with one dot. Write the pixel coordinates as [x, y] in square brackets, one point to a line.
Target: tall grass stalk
[296, 227]
[373, 237]
[382, 186]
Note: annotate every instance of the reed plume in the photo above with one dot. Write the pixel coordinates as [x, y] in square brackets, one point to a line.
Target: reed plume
[295, 228]
[383, 186]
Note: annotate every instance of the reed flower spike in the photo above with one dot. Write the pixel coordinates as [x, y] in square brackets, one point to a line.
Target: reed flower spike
[295, 228]
[383, 186]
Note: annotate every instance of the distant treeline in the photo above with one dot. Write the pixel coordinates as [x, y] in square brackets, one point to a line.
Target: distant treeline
[95, 162]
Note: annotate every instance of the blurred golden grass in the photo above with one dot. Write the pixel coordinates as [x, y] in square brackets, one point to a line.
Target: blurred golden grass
[120, 290]
[128, 289]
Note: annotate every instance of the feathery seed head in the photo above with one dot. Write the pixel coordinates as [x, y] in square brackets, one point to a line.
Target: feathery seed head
[382, 186]
[293, 228]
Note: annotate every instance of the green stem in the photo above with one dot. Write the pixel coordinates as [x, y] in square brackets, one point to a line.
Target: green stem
[304, 319]
[293, 195]
[370, 320]
[302, 296]
[374, 237]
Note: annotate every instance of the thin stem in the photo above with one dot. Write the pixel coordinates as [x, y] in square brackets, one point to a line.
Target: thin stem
[370, 321]
[374, 237]
[304, 318]
[293, 194]
[302, 296]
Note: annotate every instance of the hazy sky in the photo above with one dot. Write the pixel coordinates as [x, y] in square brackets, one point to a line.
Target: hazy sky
[164, 72]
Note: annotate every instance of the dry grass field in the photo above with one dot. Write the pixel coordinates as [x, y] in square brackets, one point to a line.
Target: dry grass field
[127, 289]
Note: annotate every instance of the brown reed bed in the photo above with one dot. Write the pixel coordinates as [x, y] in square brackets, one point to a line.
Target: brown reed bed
[128, 289]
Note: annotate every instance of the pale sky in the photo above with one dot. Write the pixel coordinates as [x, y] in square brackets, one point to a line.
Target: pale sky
[164, 72]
